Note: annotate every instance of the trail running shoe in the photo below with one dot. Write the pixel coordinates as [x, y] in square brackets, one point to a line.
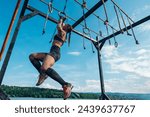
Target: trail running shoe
[67, 90]
[42, 78]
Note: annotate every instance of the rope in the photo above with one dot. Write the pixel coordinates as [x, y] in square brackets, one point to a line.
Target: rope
[53, 35]
[118, 19]
[100, 32]
[124, 23]
[62, 14]
[108, 34]
[100, 19]
[84, 6]
[121, 10]
[65, 6]
[69, 39]
[91, 42]
[136, 41]
[50, 6]
[83, 40]
[106, 21]
[85, 29]
[50, 10]
[116, 43]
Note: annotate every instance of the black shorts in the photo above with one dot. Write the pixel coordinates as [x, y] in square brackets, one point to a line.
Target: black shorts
[55, 52]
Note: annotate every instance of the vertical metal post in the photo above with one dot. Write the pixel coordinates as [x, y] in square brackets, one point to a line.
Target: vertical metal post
[98, 47]
[10, 28]
[12, 43]
[101, 72]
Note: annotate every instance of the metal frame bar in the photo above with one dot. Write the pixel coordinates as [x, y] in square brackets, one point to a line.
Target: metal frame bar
[98, 47]
[30, 8]
[94, 8]
[12, 43]
[94, 14]
[10, 28]
[30, 15]
[3, 95]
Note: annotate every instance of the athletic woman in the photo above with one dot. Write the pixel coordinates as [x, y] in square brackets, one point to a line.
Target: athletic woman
[49, 59]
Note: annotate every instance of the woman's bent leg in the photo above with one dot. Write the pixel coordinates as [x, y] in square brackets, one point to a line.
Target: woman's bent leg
[35, 59]
[46, 68]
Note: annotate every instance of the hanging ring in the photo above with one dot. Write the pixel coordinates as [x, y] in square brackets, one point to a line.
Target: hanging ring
[86, 31]
[62, 16]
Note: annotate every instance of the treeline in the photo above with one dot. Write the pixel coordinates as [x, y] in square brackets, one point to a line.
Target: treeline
[14, 91]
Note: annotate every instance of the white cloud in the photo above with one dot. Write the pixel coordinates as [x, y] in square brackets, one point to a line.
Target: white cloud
[146, 7]
[126, 85]
[17, 67]
[136, 63]
[47, 85]
[112, 72]
[65, 67]
[141, 52]
[90, 86]
[140, 11]
[144, 27]
[74, 53]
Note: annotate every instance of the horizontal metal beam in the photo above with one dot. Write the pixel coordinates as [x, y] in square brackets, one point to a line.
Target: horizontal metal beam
[94, 8]
[124, 29]
[30, 8]
[28, 16]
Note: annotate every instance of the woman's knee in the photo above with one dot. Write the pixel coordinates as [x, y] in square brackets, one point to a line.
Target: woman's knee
[31, 57]
[44, 68]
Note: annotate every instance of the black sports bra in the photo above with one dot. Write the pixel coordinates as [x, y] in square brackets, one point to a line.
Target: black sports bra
[58, 39]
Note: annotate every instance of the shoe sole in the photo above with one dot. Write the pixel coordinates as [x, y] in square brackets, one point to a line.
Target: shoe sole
[70, 93]
[38, 84]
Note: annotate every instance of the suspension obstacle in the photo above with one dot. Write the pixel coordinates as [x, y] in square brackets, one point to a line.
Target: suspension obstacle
[86, 32]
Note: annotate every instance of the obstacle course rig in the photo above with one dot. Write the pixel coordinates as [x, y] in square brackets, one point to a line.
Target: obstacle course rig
[86, 33]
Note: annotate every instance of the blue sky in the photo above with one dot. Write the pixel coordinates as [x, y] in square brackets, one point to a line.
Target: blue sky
[126, 68]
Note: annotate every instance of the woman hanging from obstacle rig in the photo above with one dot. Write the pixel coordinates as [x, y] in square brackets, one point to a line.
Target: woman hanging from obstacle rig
[49, 59]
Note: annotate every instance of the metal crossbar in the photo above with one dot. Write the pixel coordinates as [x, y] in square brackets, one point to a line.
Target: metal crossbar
[30, 8]
[89, 12]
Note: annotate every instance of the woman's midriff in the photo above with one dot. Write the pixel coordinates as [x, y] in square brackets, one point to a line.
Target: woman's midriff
[57, 43]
